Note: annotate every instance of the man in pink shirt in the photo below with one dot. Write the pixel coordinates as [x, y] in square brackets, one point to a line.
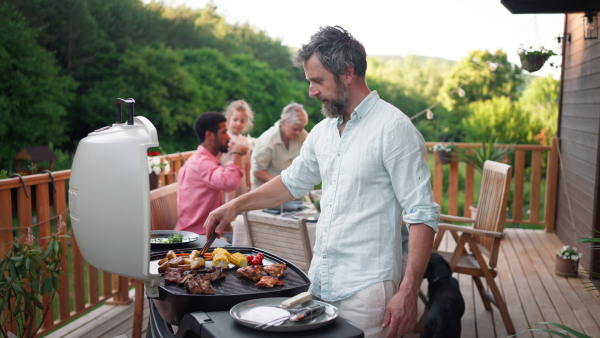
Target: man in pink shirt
[202, 179]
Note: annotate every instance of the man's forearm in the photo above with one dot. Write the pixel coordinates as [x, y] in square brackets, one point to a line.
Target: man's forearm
[420, 244]
[268, 195]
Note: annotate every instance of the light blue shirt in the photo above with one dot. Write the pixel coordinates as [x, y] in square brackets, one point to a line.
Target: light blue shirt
[374, 175]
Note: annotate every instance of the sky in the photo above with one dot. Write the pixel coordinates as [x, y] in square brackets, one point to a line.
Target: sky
[441, 28]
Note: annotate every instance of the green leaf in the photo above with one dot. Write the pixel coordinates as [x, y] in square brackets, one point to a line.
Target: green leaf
[37, 303]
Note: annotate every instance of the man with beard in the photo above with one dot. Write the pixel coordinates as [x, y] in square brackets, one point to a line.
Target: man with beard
[370, 159]
[277, 147]
[202, 179]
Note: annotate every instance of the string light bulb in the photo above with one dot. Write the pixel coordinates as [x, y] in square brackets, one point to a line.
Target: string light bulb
[461, 92]
[429, 114]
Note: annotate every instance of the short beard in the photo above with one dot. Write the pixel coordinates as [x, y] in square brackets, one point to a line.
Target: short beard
[336, 107]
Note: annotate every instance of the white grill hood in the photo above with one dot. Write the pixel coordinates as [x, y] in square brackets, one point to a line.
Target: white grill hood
[109, 197]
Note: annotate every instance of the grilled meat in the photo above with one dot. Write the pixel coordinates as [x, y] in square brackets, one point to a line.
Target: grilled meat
[199, 286]
[187, 275]
[275, 270]
[173, 275]
[252, 272]
[269, 282]
[213, 274]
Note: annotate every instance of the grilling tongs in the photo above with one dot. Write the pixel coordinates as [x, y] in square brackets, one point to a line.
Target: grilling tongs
[209, 241]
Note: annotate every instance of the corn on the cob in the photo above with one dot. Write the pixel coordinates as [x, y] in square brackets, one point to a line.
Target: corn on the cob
[220, 260]
[238, 259]
[221, 251]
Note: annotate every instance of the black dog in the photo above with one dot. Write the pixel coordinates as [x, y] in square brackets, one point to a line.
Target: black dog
[446, 304]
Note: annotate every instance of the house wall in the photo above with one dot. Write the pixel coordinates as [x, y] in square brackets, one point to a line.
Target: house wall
[578, 204]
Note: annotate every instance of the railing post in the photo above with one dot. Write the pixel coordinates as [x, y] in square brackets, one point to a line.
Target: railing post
[552, 185]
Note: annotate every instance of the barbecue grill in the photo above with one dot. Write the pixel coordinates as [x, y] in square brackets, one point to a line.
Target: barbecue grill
[110, 213]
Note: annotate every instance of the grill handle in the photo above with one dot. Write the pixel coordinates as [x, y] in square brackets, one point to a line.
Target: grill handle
[118, 112]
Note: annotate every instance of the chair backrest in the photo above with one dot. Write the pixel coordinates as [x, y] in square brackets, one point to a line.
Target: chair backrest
[491, 208]
[284, 237]
[163, 207]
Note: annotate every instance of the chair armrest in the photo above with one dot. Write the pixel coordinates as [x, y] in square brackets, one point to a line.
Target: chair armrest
[469, 230]
[450, 218]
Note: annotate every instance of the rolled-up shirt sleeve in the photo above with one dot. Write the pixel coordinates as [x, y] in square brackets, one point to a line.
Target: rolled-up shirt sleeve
[404, 159]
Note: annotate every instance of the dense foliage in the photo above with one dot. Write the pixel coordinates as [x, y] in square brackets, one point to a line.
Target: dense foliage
[64, 62]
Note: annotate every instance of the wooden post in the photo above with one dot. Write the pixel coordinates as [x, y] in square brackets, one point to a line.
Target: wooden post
[138, 310]
[552, 185]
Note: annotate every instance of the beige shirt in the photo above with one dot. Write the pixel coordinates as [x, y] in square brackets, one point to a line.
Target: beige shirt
[270, 153]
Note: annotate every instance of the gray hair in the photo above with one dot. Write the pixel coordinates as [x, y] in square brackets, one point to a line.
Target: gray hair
[336, 49]
[241, 105]
[292, 112]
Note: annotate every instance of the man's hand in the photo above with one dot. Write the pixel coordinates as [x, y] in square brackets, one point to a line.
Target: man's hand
[401, 313]
[219, 218]
[238, 148]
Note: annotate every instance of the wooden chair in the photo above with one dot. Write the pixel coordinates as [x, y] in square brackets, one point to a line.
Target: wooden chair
[476, 252]
[163, 207]
[284, 237]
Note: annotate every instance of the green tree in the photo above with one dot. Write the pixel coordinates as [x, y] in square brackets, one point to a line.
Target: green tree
[33, 94]
[498, 118]
[478, 77]
[540, 102]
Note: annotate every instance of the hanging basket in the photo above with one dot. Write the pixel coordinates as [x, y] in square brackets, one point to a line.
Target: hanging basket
[532, 62]
[566, 267]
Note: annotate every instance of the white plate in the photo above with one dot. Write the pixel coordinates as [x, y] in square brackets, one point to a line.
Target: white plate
[187, 237]
[238, 311]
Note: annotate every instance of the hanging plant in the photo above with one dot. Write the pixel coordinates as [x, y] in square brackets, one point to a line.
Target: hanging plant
[533, 60]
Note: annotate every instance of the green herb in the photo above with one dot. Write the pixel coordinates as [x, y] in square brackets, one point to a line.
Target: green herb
[178, 238]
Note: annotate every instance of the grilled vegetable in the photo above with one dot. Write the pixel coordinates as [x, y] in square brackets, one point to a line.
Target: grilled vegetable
[194, 254]
[221, 251]
[171, 254]
[238, 259]
[197, 263]
[220, 260]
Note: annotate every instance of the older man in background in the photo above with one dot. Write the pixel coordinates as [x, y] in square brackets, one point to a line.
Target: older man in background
[277, 147]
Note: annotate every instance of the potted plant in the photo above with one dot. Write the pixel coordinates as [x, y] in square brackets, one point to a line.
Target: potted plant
[567, 261]
[533, 60]
[476, 157]
[29, 271]
[444, 152]
[155, 167]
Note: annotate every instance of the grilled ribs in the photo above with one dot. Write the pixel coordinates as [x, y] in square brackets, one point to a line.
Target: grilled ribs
[275, 270]
[269, 282]
[199, 286]
[213, 274]
[173, 275]
[252, 272]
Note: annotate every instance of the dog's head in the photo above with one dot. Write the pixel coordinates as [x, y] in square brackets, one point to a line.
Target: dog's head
[437, 268]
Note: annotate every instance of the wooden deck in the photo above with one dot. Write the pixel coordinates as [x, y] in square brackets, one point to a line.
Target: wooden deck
[526, 276]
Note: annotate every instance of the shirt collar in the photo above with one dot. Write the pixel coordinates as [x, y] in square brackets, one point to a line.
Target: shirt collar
[278, 138]
[363, 108]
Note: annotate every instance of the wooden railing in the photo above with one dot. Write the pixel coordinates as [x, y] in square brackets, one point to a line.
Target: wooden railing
[37, 201]
[532, 166]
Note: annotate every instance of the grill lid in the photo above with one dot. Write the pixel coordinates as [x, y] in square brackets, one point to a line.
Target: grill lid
[109, 197]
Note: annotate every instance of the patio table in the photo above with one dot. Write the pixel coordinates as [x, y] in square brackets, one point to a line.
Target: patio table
[239, 231]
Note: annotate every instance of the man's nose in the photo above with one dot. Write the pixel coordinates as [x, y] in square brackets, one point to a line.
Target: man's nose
[312, 92]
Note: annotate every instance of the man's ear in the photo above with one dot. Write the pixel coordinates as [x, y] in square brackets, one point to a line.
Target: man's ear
[209, 136]
[349, 75]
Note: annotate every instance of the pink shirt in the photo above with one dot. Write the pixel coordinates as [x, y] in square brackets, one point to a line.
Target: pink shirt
[202, 180]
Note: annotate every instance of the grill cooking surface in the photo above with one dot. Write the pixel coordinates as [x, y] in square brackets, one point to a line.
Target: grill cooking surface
[175, 301]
